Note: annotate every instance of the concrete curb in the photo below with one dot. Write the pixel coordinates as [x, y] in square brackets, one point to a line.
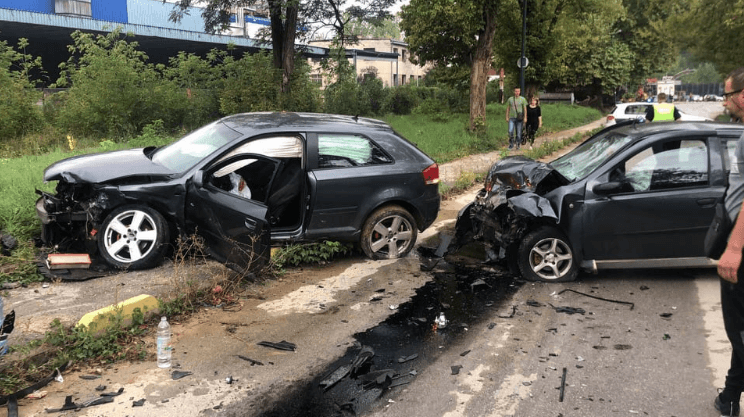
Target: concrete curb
[99, 319]
[450, 172]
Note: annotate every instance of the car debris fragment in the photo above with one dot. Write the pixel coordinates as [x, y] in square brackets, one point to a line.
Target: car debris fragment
[568, 310]
[404, 359]
[632, 305]
[176, 375]
[252, 361]
[283, 345]
[138, 403]
[563, 385]
[455, 369]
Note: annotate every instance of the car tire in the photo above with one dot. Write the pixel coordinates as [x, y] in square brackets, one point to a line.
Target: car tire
[133, 237]
[389, 232]
[546, 255]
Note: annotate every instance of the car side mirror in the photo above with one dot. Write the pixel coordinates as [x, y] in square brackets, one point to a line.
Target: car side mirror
[606, 188]
[198, 179]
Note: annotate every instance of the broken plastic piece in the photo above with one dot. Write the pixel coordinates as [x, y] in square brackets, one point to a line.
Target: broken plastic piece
[563, 385]
[28, 390]
[100, 388]
[252, 361]
[283, 345]
[404, 359]
[138, 403]
[491, 326]
[456, 369]
[335, 376]
[568, 310]
[12, 406]
[112, 394]
[361, 359]
[599, 298]
[465, 353]
[510, 316]
[37, 395]
[89, 377]
[179, 374]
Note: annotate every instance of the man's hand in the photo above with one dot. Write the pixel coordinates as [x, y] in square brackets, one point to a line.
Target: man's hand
[728, 265]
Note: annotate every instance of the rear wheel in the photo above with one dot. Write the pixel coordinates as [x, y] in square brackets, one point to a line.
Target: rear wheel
[389, 232]
[133, 237]
[546, 255]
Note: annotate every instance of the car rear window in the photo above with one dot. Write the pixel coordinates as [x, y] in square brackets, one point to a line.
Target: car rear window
[345, 150]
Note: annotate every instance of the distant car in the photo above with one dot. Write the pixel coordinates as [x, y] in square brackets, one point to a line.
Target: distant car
[241, 183]
[696, 97]
[631, 111]
[712, 97]
[632, 196]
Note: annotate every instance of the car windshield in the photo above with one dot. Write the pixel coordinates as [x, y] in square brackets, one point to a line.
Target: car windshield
[589, 155]
[183, 154]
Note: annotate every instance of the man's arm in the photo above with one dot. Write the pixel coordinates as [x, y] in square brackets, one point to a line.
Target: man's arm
[650, 113]
[507, 110]
[728, 265]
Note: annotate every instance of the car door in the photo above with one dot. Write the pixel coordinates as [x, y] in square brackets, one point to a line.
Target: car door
[347, 171]
[663, 208]
[226, 204]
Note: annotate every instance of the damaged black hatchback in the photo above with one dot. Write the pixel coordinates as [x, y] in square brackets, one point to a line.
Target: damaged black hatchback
[242, 183]
[632, 196]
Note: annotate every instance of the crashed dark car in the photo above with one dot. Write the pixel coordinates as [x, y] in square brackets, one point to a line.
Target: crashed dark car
[243, 183]
[635, 195]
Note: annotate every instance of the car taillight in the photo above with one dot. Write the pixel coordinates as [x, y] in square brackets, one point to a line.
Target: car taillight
[431, 174]
[610, 118]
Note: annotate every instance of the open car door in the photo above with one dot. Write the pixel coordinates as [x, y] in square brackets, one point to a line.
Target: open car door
[227, 204]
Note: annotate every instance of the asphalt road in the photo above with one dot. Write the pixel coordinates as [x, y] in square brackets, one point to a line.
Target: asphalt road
[663, 357]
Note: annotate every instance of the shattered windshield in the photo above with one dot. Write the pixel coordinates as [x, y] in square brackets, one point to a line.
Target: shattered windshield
[183, 154]
[589, 155]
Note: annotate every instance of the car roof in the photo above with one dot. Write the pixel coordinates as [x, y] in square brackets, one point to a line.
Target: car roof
[255, 123]
[646, 129]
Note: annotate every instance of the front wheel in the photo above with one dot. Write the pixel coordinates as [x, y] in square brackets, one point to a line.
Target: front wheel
[546, 255]
[133, 237]
[389, 232]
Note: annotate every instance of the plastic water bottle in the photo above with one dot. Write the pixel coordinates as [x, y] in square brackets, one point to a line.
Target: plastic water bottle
[3, 337]
[164, 344]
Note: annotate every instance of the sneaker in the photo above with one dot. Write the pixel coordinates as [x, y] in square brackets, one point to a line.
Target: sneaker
[727, 409]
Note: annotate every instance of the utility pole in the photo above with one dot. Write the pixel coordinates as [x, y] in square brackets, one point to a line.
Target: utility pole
[524, 40]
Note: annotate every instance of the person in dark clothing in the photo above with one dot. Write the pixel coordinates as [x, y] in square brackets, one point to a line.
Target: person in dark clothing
[730, 265]
[534, 120]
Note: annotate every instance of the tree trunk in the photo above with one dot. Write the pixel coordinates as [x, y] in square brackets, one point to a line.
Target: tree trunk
[481, 65]
[283, 31]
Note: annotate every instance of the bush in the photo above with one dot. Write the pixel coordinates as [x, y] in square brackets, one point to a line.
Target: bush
[401, 100]
[18, 112]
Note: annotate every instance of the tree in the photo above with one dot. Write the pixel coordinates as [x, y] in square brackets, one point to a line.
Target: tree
[286, 17]
[713, 31]
[457, 34]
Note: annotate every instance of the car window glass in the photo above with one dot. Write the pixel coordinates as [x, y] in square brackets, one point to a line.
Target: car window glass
[586, 157]
[183, 154]
[274, 147]
[636, 109]
[672, 164]
[342, 151]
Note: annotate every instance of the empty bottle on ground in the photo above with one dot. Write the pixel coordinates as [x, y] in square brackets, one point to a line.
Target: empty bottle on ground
[164, 344]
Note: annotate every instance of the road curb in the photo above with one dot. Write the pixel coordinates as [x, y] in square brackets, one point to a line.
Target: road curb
[100, 319]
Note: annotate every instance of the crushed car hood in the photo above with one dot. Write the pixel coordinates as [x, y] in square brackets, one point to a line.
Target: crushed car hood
[103, 167]
[514, 195]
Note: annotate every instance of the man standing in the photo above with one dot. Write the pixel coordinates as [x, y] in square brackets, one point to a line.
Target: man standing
[729, 266]
[516, 116]
[662, 111]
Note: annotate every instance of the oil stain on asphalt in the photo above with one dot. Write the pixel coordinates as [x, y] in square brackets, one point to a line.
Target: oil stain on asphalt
[387, 357]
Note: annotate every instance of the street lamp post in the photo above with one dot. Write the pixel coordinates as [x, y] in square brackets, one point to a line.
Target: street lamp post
[524, 38]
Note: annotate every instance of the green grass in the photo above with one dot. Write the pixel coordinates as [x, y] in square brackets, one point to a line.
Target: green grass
[449, 140]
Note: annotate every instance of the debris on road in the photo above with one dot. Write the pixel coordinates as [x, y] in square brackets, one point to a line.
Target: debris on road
[510, 316]
[563, 385]
[456, 369]
[252, 361]
[632, 305]
[283, 345]
[404, 359]
[180, 374]
[568, 310]
[441, 321]
[138, 403]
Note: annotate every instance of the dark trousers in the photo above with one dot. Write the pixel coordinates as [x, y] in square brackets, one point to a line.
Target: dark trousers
[732, 307]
